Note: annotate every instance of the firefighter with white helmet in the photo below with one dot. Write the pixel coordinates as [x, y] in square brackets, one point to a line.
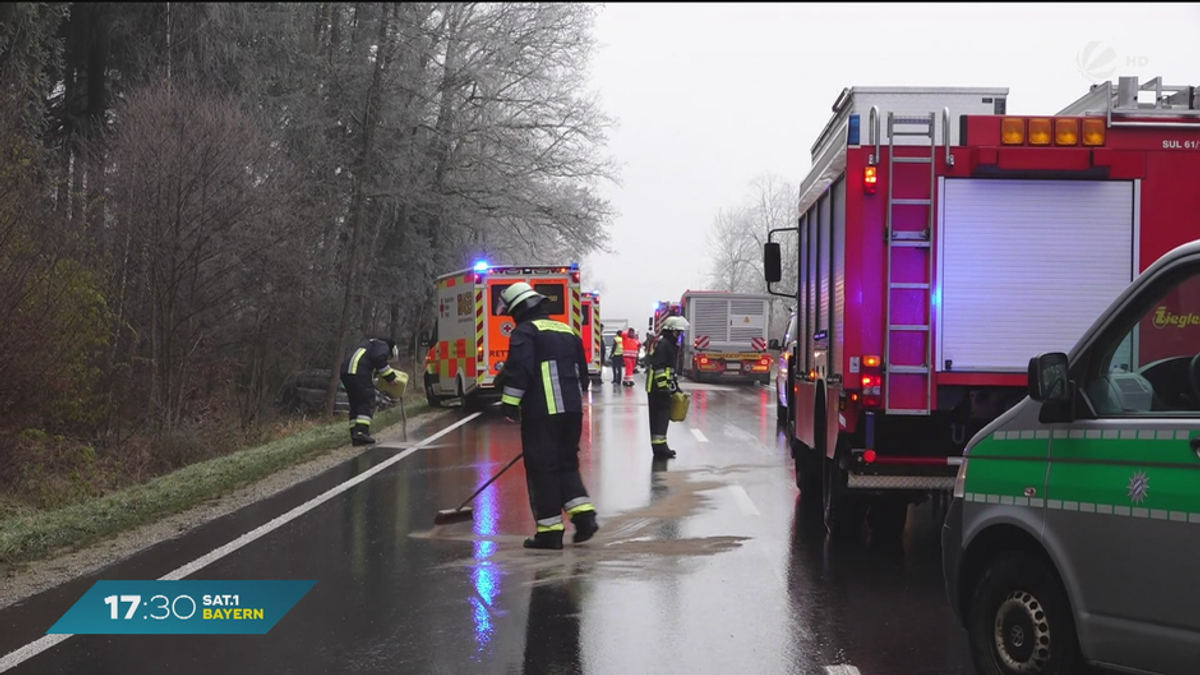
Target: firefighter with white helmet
[544, 379]
[662, 381]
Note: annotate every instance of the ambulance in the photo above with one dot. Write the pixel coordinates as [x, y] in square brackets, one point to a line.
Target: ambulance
[468, 348]
[592, 337]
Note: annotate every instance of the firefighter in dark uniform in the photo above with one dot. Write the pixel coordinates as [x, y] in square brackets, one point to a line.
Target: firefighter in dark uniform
[661, 382]
[359, 371]
[545, 377]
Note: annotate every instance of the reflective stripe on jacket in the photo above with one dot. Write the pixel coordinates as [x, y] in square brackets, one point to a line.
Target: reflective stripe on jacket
[546, 372]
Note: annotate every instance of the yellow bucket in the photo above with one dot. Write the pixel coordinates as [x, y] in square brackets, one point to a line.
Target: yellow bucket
[680, 401]
[396, 388]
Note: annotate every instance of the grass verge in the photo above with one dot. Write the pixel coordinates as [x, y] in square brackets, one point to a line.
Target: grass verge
[26, 538]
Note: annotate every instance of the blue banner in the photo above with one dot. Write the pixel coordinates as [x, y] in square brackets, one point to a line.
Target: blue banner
[181, 607]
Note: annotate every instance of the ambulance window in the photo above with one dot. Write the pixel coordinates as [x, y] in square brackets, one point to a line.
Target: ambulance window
[587, 315]
[555, 293]
[1145, 364]
[497, 289]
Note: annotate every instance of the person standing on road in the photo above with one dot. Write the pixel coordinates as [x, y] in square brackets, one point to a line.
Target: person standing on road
[631, 348]
[545, 377]
[661, 382]
[618, 358]
[359, 370]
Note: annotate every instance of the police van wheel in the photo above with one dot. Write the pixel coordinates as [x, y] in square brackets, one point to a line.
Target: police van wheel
[1019, 621]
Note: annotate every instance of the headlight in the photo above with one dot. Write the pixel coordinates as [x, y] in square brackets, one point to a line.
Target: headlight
[960, 482]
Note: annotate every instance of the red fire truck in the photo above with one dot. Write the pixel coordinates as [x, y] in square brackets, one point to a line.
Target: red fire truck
[943, 241]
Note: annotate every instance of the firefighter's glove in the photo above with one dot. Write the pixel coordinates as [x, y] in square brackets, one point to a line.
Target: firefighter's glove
[511, 412]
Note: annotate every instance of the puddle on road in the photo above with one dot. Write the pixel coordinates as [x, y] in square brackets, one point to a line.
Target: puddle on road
[636, 542]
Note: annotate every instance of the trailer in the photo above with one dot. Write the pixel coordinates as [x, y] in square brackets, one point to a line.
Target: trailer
[937, 231]
[468, 348]
[728, 337]
[592, 338]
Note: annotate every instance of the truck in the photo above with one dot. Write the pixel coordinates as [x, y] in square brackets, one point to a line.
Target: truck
[468, 347]
[662, 310]
[728, 337]
[938, 236]
[592, 337]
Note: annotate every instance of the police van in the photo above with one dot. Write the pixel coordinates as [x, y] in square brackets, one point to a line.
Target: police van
[1073, 537]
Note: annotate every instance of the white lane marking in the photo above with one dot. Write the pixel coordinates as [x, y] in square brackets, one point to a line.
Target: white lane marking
[699, 435]
[15, 658]
[841, 670]
[745, 503]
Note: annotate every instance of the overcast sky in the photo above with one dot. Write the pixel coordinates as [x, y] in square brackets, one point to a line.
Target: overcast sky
[709, 96]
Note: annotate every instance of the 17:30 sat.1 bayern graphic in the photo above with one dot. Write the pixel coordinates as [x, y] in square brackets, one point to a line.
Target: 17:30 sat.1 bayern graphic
[113, 607]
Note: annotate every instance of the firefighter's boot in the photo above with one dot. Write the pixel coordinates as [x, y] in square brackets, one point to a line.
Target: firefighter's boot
[663, 452]
[585, 526]
[360, 435]
[551, 540]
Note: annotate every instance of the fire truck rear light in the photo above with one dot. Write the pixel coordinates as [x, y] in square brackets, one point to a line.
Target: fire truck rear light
[1039, 131]
[869, 456]
[854, 397]
[1012, 131]
[1066, 132]
[1093, 132]
[575, 277]
[870, 178]
[871, 361]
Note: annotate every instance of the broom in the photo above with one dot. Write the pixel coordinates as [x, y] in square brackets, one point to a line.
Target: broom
[464, 512]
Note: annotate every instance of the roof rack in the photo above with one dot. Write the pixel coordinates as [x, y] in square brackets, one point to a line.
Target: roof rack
[1120, 103]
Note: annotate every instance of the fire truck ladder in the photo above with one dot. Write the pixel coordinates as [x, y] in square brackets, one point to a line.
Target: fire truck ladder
[910, 239]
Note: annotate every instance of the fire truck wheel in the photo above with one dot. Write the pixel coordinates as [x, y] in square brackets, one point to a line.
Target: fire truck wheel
[808, 479]
[843, 509]
[1019, 620]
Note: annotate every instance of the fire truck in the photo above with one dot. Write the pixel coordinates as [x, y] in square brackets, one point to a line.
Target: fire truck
[728, 338]
[662, 310]
[941, 242]
[468, 348]
[592, 337]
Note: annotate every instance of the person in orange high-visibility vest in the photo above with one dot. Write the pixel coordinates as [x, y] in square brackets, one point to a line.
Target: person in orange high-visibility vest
[631, 347]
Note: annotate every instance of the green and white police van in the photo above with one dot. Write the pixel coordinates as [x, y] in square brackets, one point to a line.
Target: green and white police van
[1073, 539]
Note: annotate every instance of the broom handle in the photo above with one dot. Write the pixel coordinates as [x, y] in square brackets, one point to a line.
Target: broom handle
[491, 480]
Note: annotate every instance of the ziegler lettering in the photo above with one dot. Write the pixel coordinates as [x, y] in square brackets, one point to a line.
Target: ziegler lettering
[1180, 145]
[1164, 318]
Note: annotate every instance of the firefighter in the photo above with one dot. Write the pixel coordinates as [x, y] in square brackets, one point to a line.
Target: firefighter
[618, 358]
[359, 370]
[631, 348]
[661, 382]
[545, 378]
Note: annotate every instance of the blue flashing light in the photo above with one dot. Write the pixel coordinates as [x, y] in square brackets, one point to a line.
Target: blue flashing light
[481, 266]
[853, 134]
[574, 266]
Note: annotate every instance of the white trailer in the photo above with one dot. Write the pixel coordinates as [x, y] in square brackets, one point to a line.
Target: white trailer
[729, 336]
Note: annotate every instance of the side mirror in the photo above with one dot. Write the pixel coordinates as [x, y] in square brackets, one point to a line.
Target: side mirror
[771, 262]
[1048, 378]
[426, 338]
[773, 344]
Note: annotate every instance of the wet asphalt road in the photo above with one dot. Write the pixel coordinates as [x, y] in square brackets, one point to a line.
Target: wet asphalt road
[704, 564]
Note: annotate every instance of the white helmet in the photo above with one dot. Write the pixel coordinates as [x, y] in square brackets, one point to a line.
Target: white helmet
[512, 297]
[677, 323]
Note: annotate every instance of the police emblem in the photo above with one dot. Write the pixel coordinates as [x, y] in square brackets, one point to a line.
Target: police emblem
[1139, 486]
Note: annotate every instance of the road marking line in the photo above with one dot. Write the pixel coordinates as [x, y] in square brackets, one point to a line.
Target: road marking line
[699, 435]
[841, 670]
[745, 503]
[15, 658]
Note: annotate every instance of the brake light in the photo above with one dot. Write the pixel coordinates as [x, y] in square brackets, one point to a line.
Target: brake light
[872, 380]
[870, 178]
[764, 361]
[869, 456]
